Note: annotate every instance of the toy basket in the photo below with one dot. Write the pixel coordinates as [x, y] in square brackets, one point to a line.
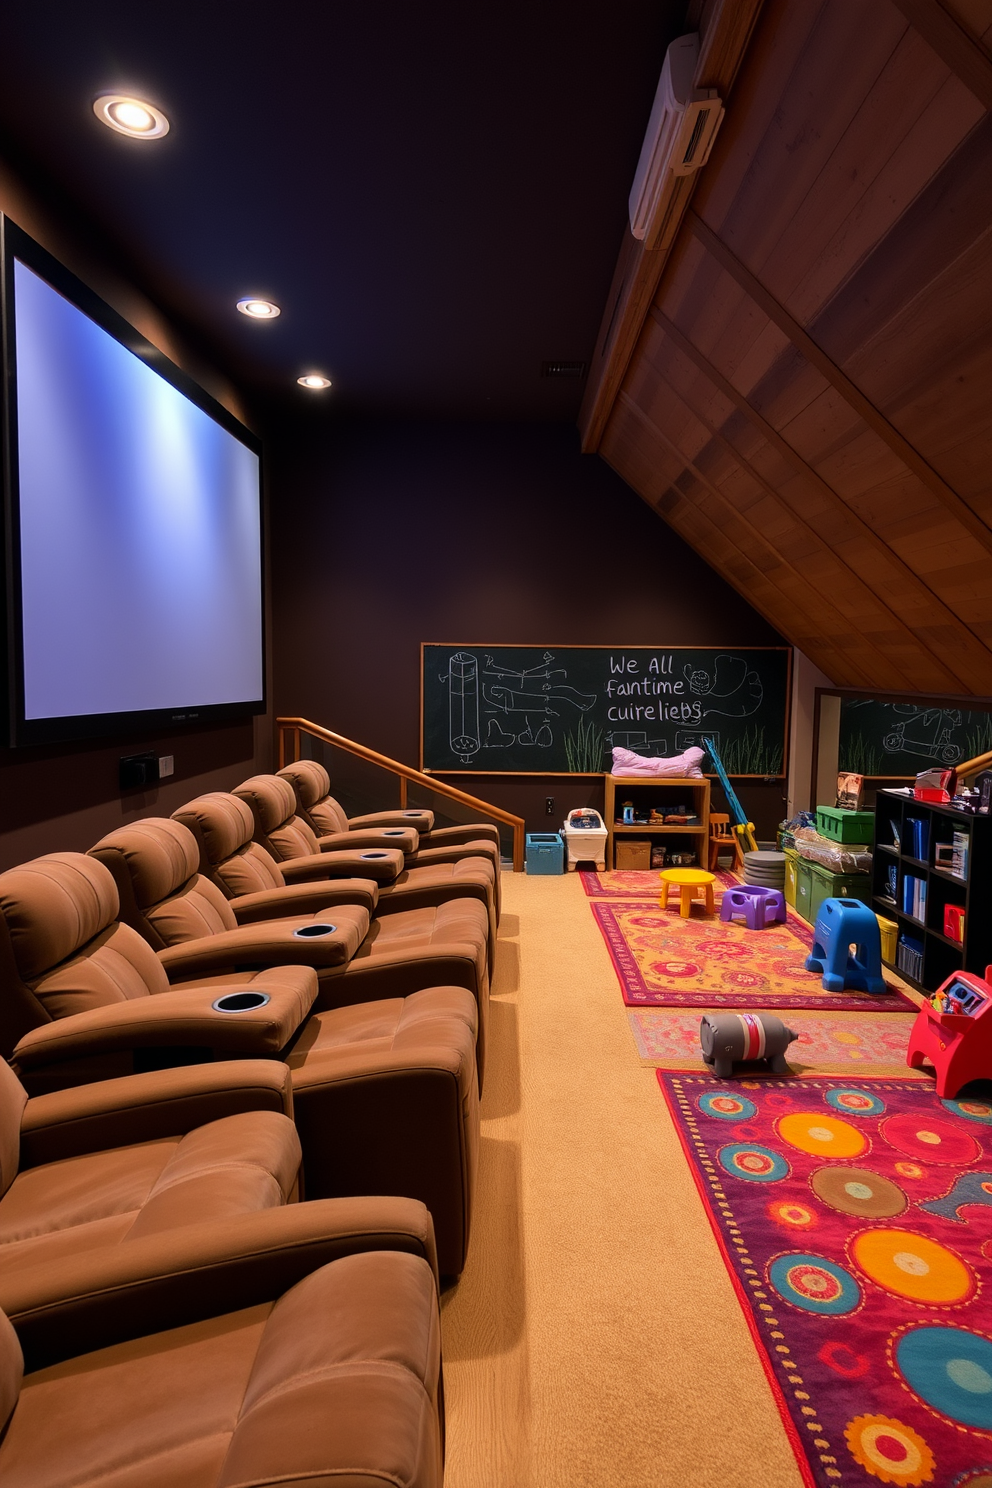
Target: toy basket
[584, 844]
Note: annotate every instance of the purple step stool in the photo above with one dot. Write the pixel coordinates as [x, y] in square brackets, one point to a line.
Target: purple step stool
[759, 907]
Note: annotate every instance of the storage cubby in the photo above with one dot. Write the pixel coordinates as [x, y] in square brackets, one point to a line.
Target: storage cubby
[913, 855]
[662, 795]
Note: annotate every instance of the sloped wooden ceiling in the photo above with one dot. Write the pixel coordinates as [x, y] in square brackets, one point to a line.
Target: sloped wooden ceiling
[799, 379]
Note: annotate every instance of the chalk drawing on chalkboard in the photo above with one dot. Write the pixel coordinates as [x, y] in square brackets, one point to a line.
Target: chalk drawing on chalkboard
[463, 705]
[732, 690]
[926, 732]
[497, 736]
[688, 739]
[543, 739]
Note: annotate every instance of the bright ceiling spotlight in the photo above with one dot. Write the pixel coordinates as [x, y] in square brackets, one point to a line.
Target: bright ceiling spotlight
[314, 382]
[258, 309]
[130, 116]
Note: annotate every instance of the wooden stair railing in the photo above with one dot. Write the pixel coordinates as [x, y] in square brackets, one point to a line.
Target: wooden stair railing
[289, 752]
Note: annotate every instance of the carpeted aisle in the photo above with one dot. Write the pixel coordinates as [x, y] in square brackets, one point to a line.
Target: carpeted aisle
[595, 1338]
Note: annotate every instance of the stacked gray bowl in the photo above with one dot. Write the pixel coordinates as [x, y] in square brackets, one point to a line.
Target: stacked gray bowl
[765, 869]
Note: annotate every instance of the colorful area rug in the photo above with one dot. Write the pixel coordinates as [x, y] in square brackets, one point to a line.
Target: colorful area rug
[662, 960]
[855, 1222]
[632, 883]
[848, 1044]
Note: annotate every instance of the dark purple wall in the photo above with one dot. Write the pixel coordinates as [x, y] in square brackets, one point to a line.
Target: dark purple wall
[389, 533]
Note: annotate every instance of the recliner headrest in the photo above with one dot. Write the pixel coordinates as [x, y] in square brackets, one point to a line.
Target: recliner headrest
[309, 780]
[53, 906]
[160, 856]
[222, 822]
[272, 800]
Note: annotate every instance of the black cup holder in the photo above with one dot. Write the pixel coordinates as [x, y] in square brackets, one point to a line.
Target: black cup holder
[394, 831]
[313, 932]
[374, 855]
[240, 1002]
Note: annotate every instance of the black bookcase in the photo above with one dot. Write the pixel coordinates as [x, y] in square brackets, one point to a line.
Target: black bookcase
[894, 847]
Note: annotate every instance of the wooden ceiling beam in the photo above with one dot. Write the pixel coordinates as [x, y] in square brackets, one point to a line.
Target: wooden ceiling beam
[725, 29]
[719, 438]
[839, 380]
[915, 584]
[730, 514]
[955, 47]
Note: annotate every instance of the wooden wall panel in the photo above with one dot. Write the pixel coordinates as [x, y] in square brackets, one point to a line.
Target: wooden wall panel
[807, 402]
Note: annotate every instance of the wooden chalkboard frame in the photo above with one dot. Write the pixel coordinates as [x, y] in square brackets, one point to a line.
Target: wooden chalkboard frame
[563, 646]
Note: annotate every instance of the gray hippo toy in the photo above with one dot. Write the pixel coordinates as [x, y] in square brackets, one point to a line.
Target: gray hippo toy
[731, 1038]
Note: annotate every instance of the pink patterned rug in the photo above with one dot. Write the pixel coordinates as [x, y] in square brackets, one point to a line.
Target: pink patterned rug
[663, 960]
[848, 1044]
[631, 883]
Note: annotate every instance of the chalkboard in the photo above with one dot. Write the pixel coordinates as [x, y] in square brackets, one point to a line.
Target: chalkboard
[901, 739]
[561, 709]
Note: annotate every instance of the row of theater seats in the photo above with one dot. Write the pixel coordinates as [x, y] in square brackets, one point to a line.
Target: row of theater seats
[207, 1019]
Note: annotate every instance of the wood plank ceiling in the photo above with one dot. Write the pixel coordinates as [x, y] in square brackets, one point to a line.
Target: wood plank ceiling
[799, 378]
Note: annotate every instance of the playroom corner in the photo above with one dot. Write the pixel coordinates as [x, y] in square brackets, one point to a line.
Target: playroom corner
[817, 1011]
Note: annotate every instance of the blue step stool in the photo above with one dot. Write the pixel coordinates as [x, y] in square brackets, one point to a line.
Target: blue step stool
[544, 853]
[843, 924]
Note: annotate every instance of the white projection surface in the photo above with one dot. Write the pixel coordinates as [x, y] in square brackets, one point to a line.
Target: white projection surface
[140, 546]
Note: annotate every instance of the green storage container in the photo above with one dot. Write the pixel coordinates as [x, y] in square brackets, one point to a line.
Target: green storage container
[791, 875]
[803, 887]
[845, 826]
[827, 885]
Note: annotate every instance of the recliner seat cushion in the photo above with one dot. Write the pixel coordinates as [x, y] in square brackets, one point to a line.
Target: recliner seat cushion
[335, 1383]
[233, 1166]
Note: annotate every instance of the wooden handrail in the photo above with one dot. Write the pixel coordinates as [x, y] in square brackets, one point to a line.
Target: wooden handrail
[407, 773]
[972, 766]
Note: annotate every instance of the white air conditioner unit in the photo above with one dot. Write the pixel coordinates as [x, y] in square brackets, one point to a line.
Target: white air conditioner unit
[680, 134]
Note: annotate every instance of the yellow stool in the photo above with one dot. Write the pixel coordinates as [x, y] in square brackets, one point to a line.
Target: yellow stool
[690, 882]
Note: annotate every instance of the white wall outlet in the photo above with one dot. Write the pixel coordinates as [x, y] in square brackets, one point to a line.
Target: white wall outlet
[166, 765]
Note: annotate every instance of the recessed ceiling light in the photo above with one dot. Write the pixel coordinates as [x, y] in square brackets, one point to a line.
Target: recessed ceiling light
[314, 382]
[259, 309]
[130, 116]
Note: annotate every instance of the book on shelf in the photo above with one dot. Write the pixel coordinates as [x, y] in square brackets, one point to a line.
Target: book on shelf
[914, 896]
[954, 922]
[909, 956]
[918, 834]
[959, 863]
[892, 881]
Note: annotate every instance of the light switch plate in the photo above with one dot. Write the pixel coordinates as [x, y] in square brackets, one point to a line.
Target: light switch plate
[166, 765]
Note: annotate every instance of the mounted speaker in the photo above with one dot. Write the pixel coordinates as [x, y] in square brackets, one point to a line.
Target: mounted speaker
[683, 125]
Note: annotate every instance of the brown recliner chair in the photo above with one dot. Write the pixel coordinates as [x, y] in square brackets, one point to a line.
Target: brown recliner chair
[335, 1380]
[327, 817]
[84, 997]
[193, 920]
[94, 1170]
[281, 832]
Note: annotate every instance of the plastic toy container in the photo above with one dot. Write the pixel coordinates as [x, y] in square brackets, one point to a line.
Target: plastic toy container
[845, 826]
[826, 885]
[803, 887]
[544, 853]
[890, 935]
[584, 844]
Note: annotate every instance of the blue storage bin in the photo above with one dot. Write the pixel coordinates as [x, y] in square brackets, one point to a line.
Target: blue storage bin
[545, 853]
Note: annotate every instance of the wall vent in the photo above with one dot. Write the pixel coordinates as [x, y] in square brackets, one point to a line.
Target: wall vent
[683, 125]
[563, 369]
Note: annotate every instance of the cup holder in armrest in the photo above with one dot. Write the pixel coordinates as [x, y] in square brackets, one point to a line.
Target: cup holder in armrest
[415, 813]
[240, 1002]
[394, 832]
[313, 932]
[374, 855]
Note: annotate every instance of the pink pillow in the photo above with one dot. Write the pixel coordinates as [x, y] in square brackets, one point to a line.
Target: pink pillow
[685, 766]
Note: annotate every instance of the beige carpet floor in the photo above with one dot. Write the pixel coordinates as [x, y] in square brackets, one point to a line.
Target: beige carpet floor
[594, 1338]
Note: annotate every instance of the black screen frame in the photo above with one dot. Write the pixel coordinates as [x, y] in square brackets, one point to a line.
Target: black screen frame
[15, 243]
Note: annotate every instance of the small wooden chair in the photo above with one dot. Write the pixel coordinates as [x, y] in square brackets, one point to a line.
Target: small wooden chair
[722, 839]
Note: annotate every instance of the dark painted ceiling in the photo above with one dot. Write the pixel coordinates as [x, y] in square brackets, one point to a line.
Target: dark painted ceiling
[434, 193]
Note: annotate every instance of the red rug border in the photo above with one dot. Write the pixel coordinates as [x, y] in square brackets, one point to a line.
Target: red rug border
[802, 931]
[778, 1395]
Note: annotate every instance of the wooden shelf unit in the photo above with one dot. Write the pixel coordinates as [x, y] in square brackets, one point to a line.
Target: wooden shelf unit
[660, 793]
[941, 955]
